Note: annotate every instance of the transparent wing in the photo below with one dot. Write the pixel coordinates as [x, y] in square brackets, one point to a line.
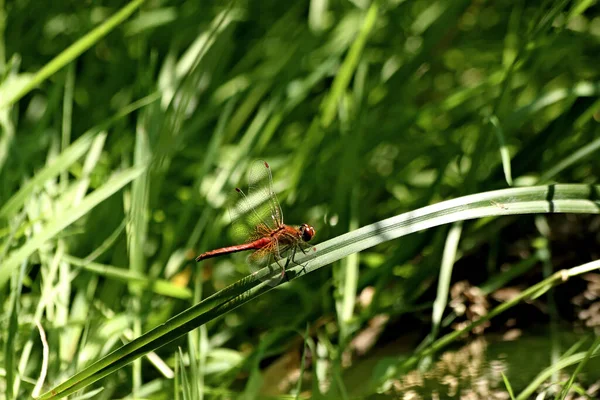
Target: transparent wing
[256, 213]
[247, 222]
[268, 256]
[260, 186]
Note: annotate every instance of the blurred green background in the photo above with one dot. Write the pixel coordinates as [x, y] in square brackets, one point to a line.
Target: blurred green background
[364, 110]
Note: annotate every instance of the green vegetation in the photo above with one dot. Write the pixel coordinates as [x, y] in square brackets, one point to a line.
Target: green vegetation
[446, 153]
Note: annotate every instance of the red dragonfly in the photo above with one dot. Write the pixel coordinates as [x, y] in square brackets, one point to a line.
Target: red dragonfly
[257, 221]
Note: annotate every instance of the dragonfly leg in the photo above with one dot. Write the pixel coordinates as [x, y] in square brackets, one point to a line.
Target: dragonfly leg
[282, 267]
[292, 260]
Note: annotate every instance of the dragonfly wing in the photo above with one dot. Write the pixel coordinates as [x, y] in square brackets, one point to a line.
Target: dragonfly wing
[257, 213]
[260, 188]
[246, 223]
[268, 256]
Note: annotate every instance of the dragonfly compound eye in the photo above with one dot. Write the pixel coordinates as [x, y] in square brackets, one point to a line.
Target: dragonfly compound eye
[307, 232]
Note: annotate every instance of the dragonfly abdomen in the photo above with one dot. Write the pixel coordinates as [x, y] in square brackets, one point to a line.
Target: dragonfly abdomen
[255, 245]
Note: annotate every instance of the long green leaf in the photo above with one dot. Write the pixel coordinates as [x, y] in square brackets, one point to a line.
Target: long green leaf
[575, 198]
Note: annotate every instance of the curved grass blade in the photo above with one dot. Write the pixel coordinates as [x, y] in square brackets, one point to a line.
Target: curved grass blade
[573, 198]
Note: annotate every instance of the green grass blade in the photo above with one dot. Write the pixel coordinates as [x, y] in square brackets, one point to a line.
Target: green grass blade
[67, 218]
[348, 67]
[504, 155]
[448, 260]
[74, 51]
[349, 271]
[508, 386]
[158, 286]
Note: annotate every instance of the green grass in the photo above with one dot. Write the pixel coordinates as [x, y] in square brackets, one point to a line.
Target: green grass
[431, 144]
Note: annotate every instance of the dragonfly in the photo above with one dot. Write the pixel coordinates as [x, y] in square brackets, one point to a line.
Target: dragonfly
[257, 222]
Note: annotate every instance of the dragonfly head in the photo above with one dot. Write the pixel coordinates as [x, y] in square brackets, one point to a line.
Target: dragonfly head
[307, 232]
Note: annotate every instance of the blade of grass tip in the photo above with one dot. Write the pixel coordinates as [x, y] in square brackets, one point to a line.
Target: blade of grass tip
[593, 349]
[13, 326]
[91, 160]
[60, 164]
[350, 275]
[74, 51]
[504, 155]
[448, 259]
[508, 386]
[61, 221]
